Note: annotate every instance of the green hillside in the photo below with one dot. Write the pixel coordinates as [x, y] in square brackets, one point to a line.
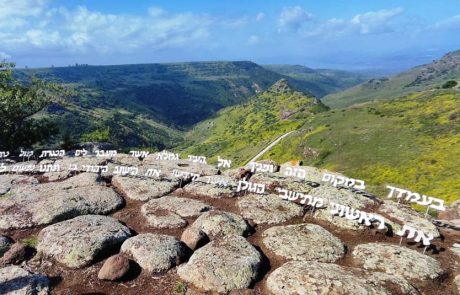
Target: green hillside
[425, 77]
[327, 81]
[241, 131]
[150, 105]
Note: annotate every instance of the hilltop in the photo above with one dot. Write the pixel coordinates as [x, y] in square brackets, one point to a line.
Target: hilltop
[242, 130]
[424, 77]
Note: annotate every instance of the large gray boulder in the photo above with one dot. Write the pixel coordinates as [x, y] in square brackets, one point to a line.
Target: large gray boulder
[77, 242]
[8, 181]
[169, 211]
[222, 265]
[303, 242]
[218, 223]
[312, 278]
[42, 204]
[17, 281]
[396, 260]
[143, 189]
[155, 253]
[269, 209]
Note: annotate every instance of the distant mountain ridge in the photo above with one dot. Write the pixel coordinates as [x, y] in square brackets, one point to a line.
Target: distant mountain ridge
[425, 77]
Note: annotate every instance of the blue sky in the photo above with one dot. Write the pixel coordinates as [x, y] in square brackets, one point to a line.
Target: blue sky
[353, 34]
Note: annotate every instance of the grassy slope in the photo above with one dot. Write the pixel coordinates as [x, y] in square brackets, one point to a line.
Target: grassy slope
[411, 142]
[241, 131]
[420, 78]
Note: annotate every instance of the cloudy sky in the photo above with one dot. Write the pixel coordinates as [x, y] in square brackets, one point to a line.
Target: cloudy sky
[353, 34]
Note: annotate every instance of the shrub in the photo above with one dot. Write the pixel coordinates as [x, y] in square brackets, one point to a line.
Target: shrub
[449, 84]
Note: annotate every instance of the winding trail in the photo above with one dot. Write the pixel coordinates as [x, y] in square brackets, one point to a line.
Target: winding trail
[269, 147]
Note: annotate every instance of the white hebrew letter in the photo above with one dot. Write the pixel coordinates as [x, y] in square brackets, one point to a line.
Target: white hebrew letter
[326, 177]
[260, 188]
[305, 197]
[352, 214]
[365, 217]
[392, 190]
[379, 219]
[426, 238]
[410, 229]
[413, 197]
[339, 180]
[288, 171]
[241, 187]
[361, 186]
[317, 202]
[440, 205]
[284, 191]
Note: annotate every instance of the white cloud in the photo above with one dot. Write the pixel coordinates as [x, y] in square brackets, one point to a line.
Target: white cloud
[294, 17]
[260, 16]
[449, 23]
[375, 21]
[83, 30]
[254, 39]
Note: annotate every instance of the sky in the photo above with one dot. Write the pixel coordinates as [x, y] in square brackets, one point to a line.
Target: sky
[355, 35]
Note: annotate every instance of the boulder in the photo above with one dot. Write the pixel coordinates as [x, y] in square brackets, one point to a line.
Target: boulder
[202, 188]
[15, 255]
[155, 253]
[143, 189]
[42, 204]
[5, 244]
[404, 215]
[341, 196]
[114, 268]
[8, 181]
[312, 278]
[193, 237]
[17, 281]
[77, 242]
[218, 223]
[169, 211]
[269, 209]
[222, 265]
[303, 242]
[396, 260]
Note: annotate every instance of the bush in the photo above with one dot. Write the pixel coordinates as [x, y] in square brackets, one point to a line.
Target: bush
[449, 84]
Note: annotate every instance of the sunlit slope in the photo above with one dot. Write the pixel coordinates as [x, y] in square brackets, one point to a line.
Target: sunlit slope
[412, 142]
[242, 131]
[425, 77]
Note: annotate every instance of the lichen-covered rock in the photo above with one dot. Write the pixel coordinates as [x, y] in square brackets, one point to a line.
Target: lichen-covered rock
[303, 242]
[15, 255]
[337, 221]
[169, 211]
[269, 209]
[17, 281]
[203, 187]
[404, 215]
[396, 260]
[218, 223]
[341, 196]
[143, 189]
[222, 265]
[5, 244]
[40, 204]
[77, 242]
[193, 237]
[155, 253]
[312, 278]
[7, 181]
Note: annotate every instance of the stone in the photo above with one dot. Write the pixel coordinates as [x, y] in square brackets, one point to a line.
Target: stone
[452, 211]
[75, 243]
[336, 221]
[5, 244]
[312, 278]
[114, 268]
[155, 253]
[222, 265]
[218, 223]
[396, 260]
[269, 209]
[143, 189]
[201, 188]
[457, 284]
[8, 181]
[17, 281]
[308, 242]
[15, 255]
[341, 196]
[169, 211]
[42, 204]
[193, 237]
[404, 215]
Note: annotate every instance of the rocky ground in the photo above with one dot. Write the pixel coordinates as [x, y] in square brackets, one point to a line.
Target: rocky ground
[98, 233]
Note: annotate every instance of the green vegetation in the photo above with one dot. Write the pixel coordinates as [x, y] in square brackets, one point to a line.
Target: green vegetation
[449, 84]
[31, 241]
[322, 81]
[242, 131]
[19, 102]
[421, 78]
[181, 288]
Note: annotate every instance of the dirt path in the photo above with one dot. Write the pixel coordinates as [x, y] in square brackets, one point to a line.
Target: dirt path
[269, 147]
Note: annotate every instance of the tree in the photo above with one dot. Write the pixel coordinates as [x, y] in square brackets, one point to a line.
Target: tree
[449, 84]
[18, 103]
